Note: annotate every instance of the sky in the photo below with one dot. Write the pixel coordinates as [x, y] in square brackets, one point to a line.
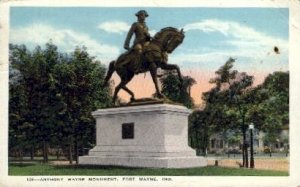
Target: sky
[212, 35]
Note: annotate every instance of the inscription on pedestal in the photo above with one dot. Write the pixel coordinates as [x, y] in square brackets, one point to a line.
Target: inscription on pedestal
[127, 130]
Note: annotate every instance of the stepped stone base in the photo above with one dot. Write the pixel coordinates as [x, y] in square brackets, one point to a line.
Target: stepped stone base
[149, 162]
[143, 136]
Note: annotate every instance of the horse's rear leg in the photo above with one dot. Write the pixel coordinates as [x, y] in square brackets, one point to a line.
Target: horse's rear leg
[123, 86]
[123, 83]
[117, 89]
[129, 92]
[126, 81]
[111, 69]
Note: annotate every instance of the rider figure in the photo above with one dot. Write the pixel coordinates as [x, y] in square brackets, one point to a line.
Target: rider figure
[141, 32]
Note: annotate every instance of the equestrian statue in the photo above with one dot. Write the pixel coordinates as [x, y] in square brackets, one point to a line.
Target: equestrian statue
[146, 54]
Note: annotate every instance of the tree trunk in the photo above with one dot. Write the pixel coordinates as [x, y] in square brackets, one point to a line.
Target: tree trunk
[247, 160]
[57, 152]
[204, 151]
[197, 141]
[21, 154]
[245, 148]
[44, 151]
[70, 154]
[32, 152]
[47, 148]
[82, 150]
[76, 151]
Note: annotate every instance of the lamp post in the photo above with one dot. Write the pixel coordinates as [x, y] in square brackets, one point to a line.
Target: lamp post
[251, 127]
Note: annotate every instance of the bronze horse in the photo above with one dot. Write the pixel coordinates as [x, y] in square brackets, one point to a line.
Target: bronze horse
[154, 56]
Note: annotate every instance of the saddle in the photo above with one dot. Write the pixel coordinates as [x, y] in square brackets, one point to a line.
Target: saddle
[150, 53]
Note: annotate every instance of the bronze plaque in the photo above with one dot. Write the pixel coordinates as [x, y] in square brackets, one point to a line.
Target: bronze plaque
[127, 130]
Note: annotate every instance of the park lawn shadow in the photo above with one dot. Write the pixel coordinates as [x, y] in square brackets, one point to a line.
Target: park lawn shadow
[106, 167]
[22, 164]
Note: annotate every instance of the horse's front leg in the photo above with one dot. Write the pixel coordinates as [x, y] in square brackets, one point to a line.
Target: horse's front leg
[153, 72]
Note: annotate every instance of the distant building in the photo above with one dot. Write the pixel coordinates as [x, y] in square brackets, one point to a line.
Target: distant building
[219, 144]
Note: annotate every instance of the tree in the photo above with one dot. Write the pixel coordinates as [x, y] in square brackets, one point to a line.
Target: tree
[233, 139]
[79, 92]
[270, 112]
[35, 69]
[199, 131]
[234, 103]
[86, 91]
[21, 129]
[173, 90]
[52, 100]
[277, 103]
[228, 101]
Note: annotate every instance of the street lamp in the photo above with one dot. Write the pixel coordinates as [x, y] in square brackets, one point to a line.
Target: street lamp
[251, 127]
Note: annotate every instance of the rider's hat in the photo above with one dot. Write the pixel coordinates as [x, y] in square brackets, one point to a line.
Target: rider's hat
[142, 12]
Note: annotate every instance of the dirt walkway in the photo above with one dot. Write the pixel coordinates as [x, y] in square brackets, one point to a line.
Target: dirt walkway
[278, 164]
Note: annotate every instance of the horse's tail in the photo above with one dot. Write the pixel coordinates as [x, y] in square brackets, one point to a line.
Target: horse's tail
[111, 69]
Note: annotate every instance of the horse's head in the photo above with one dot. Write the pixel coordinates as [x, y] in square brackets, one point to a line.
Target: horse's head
[176, 38]
[170, 38]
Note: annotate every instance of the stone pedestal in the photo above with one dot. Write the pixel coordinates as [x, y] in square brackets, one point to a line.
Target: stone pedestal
[143, 136]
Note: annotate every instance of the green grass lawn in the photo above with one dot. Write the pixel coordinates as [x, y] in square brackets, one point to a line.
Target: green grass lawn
[29, 169]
